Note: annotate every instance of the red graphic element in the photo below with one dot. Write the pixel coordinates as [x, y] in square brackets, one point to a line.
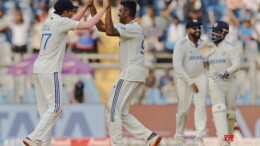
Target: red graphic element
[229, 137]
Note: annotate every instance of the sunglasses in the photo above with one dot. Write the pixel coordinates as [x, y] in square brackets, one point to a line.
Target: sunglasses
[196, 27]
[71, 10]
[217, 31]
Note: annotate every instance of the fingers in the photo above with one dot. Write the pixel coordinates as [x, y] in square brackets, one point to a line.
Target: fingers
[223, 75]
[89, 2]
[106, 3]
[196, 90]
[215, 77]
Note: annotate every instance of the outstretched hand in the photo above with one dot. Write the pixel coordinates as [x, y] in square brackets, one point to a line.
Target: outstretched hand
[89, 2]
[194, 88]
[106, 4]
[216, 76]
[224, 75]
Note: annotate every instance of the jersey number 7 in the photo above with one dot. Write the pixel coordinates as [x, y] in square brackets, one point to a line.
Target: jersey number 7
[44, 40]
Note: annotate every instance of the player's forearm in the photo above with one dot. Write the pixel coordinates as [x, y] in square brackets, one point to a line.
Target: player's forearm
[100, 25]
[90, 23]
[109, 23]
[78, 16]
[235, 66]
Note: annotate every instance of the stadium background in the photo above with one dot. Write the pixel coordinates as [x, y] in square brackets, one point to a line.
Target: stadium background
[87, 90]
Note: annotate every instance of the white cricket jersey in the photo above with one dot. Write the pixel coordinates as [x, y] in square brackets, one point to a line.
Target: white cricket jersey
[131, 45]
[225, 57]
[187, 60]
[53, 43]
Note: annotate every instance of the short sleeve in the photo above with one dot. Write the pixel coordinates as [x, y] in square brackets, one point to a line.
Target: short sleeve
[128, 31]
[68, 24]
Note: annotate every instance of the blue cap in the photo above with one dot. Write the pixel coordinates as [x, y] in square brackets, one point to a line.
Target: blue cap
[62, 5]
[193, 22]
[220, 25]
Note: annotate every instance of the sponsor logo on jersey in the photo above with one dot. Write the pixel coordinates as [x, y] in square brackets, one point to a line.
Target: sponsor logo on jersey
[217, 61]
[196, 58]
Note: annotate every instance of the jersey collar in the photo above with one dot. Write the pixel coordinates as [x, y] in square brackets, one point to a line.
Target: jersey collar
[133, 21]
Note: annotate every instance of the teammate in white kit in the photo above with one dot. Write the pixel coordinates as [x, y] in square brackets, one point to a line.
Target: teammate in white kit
[191, 82]
[223, 64]
[132, 76]
[47, 67]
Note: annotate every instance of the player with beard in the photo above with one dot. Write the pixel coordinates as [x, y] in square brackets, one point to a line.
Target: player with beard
[191, 82]
[132, 75]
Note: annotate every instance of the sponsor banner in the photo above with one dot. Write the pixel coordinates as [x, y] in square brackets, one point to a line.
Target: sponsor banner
[162, 118]
[80, 142]
[17, 121]
[77, 121]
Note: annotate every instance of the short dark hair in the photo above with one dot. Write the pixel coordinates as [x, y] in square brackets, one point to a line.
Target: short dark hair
[131, 6]
[58, 12]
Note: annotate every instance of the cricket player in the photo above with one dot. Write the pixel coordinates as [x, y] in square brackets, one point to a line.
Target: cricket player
[132, 75]
[47, 67]
[191, 82]
[223, 64]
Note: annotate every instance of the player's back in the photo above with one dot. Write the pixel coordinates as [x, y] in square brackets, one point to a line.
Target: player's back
[53, 42]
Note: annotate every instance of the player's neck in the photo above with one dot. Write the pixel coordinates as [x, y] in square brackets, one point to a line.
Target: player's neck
[129, 20]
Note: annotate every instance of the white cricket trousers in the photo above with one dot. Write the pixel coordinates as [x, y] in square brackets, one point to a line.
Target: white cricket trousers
[185, 96]
[48, 89]
[118, 115]
[224, 92]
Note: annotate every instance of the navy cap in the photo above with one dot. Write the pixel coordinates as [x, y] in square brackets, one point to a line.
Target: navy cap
[62, 5]
[193, 22]
[220, 25]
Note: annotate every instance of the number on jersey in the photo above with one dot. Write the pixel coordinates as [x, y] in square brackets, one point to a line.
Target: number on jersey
[142, 50]
[44, 40]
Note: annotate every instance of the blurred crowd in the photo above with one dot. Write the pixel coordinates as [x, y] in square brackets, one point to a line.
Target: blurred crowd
[163, 22]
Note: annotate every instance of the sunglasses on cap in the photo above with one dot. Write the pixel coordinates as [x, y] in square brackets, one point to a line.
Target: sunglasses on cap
[196, 27]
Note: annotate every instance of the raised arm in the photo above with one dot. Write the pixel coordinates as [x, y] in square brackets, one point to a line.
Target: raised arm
[90, 23]
[110, 29]
[78, 16]
[100, 25]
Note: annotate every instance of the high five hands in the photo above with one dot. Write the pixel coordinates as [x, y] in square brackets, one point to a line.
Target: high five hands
[106, 4]
[89, 2]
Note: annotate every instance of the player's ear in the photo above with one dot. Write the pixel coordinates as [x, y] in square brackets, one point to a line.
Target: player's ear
[127, 12]
[187, 30]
